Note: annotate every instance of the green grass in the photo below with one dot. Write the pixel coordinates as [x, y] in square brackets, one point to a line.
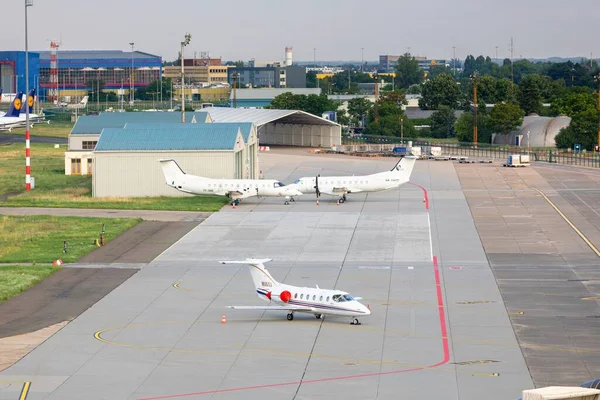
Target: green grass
[55, 189]
[14, 280]
[40, 238]
[59, 130]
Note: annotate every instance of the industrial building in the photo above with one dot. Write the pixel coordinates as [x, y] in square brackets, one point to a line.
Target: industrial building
[535, 131]
[271, 75]
[283, 127]
[199, 75]
[127, 159]
[56, 74]
[262, 97]
[86, 131]
[388, 63]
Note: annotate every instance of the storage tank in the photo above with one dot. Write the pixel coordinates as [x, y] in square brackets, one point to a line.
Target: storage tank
[288, 56]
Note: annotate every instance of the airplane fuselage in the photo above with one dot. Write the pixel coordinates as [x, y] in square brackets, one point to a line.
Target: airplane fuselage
[321, 301]
[332, 184]
[247, 187]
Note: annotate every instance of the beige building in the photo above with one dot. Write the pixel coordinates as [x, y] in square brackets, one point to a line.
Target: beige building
[126, 160]
[208, 74]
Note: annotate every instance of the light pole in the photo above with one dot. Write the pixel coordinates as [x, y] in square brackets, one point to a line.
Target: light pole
[474, 79]
[454, 60]
[235, 77]
[376, 77]
[528, 147]
[131, 77]
[188, 37]
[28, 3]
[362, 58]
[597, 78]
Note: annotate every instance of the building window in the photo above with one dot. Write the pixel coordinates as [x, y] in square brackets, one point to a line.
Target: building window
[76, 166]
[89, 145]
[89, 166]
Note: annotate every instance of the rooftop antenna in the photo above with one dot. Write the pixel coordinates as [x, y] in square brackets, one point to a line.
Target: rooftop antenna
[512, 50]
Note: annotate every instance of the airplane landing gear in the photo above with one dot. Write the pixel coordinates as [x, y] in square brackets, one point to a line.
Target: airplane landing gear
[342, 199]
[235, 202]
[287, 203]
[292, 199]
[290, 316]
[355, 322]
[318, 316]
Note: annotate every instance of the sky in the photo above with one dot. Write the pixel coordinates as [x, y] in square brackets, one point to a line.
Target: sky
[337, 29]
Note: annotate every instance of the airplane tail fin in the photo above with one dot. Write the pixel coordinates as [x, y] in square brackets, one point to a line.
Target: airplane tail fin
[31, 100]
[261, 277]
[403, 168]
[172, 171]
[15, 107]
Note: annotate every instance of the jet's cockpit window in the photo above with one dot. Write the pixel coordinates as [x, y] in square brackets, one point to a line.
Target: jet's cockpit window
[348, 297]
[278, 184]
[297, 181]
[338, 298]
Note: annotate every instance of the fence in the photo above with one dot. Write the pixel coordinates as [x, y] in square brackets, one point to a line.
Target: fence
[374, 144]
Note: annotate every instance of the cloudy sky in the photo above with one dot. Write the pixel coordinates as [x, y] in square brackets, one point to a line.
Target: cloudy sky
[338, 29]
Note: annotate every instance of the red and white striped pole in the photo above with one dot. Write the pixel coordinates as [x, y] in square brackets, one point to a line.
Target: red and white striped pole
[28, 3]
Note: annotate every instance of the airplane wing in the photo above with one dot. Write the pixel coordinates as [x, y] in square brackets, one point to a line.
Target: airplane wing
[273, 308]
[338, 191]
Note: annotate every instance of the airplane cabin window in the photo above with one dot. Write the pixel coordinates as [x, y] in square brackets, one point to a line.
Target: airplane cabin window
[314, 297]
[302, 296]
[321, 298]
[295, 295]
[327, 298]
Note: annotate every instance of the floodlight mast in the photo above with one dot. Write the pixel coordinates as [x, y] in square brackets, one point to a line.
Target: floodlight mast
[188, 37]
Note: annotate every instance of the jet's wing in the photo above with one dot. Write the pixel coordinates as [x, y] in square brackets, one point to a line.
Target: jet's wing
[239, 194]
[273, 308]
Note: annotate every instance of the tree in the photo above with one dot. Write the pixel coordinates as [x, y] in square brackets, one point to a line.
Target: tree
[408, 72]
[440, 91]
[312, 104]
[530, 93]
[583, 131]
[442, 122]
[311, 79]
[414, 89]
[573, 101]
[359, 108]
[464, 128]
[505, 118]
[390, 114]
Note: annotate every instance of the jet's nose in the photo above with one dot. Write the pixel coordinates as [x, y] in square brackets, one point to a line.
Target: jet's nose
[365, 309]
[292, 190]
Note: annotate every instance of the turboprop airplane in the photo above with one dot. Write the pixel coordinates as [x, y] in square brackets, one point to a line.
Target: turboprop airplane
[235, 189]
[293, 299]
[342, 185]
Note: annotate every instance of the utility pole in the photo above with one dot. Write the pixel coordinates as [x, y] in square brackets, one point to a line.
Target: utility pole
[496, 52]
[512, 64]
[474, 79]
[362, 59]
[401, 129]
[376, 77]
[188, 37]
[454, 60]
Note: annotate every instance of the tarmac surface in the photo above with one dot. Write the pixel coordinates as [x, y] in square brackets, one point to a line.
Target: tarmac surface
[478, 288]
[437, 313]
[6, 138]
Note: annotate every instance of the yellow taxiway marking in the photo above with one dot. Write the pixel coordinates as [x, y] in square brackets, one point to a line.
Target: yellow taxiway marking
[485, 374]
[591, 298]
[25, 390]
[585, 239]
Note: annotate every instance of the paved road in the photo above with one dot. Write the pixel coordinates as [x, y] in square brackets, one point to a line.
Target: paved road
[146, 215]
[10, 138]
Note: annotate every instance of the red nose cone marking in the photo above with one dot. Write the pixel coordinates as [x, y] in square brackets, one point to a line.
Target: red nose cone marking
[285, 296]
[268, 295]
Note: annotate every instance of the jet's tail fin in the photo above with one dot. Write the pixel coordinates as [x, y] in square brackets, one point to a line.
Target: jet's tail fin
[261, 277]
[15, 107]
[31, 100]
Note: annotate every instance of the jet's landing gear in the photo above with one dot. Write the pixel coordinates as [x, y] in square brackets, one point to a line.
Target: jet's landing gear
[287, 200]
[319, 316]
[355, 322]
[235, 202]
[343, 198]
[290, 316]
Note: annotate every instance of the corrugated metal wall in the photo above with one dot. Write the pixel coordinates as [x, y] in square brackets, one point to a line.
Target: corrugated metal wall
[300, 135]
[138, 174]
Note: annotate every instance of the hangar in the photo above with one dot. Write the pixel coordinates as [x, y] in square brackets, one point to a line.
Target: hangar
[283, 127]
[126, 159]
[86, 131]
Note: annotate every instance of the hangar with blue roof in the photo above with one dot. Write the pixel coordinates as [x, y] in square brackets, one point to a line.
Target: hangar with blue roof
[126, 160]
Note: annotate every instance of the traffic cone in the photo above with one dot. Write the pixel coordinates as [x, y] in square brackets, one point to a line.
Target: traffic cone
[369, 307]
[57, 263]
[223, 319]
[338, 202]
[233, 205]
[317, 202]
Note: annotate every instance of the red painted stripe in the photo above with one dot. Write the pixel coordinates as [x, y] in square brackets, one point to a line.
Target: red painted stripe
[445, 346]
[441, 312]
[27, 170]
[425, 194]
[27, 152]
[28, 186]
[27, 135]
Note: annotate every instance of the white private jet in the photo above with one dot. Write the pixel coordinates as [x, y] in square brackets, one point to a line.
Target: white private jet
[292, 299]
[235, 189]
[342, 185]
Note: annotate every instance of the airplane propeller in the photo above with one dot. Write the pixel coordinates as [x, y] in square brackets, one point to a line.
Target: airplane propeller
[317, 191]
